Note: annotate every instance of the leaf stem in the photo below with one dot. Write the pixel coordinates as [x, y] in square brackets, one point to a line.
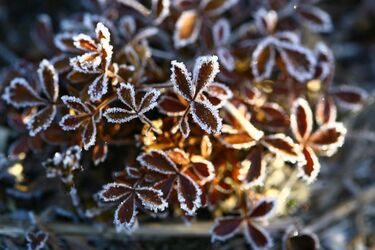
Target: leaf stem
[252, 131]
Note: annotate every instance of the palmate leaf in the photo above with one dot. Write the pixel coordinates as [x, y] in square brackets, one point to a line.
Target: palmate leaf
[135, 105]
[36, 241]
[297, 61]
[20, 94]
[188, 190]
[202, 111]
[85, 117]
[131, 198]
[96, 60]
[227, 227]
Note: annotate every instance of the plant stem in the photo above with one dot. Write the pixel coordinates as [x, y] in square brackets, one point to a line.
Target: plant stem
[252, 131]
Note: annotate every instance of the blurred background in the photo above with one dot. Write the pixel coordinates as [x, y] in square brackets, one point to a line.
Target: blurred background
[341, 209]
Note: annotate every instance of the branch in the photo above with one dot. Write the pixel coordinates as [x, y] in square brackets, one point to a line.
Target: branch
[343, 210]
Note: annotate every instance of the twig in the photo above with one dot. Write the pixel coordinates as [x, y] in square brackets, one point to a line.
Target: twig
[343, 210]
[149, 230]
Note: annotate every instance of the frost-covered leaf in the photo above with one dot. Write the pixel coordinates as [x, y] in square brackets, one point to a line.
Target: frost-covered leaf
[20, 94]
[184, 126]
[171, 106]
[89, 134]
[71, 122]
[132, 172]
[125, 215]
[78, 77]
[310, 170]
[178, 156]
[257, 237]
[226, 58]
[85, 43]
[315, 18]
[187, 28]
[237, 141]
[188, 194]
[61, 63]
[151, 198]
[206, 116]
[273, 117]
[325, 61]
[65, 42]
[136, 5]
[220, 92]
[36, 241]
[126, 94]
[264, 208]
[181, 80]
[166, 185]
[157, 161]
[87, 63]
[203, 169]
[328, 138]
[48, 79]
[98, 88]
[160, 9]
[350, 97]
[299, 61]
[225, 228]
[216, 7]
[283, 146]
[102, 32]
[263, 59]
[266, 21]
[221, 32]
[253, 171]
[301, 119]
[325, 111]
[41, 120]
[75, 104]
[119, 115]
[114, 191]
[148, 101]
[288, 36]
[205, 70]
